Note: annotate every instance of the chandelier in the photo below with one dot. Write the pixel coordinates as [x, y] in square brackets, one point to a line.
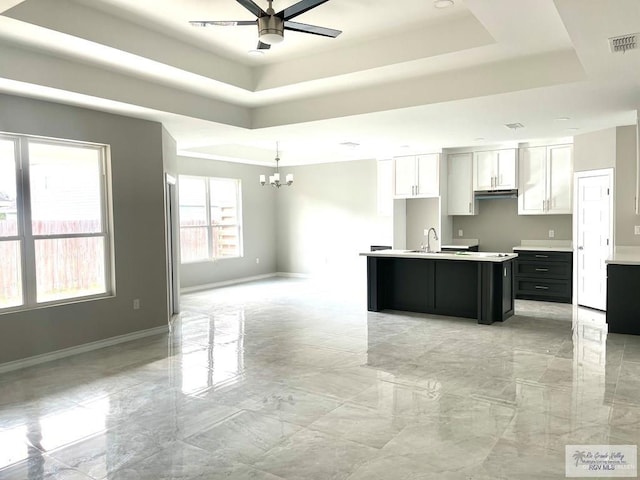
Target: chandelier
[274, 180]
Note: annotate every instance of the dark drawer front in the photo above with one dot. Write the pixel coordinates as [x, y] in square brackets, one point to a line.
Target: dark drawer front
[545, 269]
[541, 256]
[543, 288]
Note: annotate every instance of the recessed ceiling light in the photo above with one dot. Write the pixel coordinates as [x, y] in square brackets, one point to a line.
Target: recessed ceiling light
[479, 139]
[256, 53]
[350, 144]
[573, 129]
[563, 119]
[443, 3]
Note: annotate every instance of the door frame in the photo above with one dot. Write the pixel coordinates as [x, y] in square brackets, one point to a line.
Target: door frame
[171, 238]
[610, 172]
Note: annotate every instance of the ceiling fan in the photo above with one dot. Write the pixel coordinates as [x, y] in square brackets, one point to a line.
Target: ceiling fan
[271, 25]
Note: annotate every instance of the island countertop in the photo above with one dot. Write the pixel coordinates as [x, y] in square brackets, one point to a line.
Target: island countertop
[495, 257]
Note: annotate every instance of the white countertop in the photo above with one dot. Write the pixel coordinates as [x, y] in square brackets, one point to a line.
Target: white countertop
[625, 256]
[462, 243]
[495, 257]
[544, 246]
[523, 248]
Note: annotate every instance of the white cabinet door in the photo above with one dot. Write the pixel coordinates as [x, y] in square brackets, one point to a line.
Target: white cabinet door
[559, 179]
[460, 184]
[483, 173]
[405, 176]
[532, 189]
[505, 169]
[428, 175]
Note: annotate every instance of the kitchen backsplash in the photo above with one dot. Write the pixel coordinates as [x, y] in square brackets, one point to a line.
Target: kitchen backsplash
[498, 227]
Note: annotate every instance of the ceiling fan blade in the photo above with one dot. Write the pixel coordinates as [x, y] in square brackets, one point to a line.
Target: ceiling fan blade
[299, 8]
[223, 23]
[263, 46]
[314, 29]
[252, 7]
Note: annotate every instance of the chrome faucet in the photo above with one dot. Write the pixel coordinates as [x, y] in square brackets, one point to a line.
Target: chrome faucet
[435, 237]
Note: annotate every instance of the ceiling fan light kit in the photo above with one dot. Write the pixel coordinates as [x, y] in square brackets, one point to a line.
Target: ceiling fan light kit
[270, 30]
[271, 25]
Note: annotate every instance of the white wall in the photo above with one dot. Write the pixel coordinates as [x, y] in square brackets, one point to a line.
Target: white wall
[259, 219]
[625, 187]
[328, 217]
[139, 235]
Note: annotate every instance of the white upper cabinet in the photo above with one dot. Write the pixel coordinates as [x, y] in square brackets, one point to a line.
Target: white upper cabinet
[417, 176]
[460, 199]
[495, 170]
[546, 175]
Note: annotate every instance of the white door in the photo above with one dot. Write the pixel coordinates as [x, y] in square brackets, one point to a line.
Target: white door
[483, 170]
[506, 169]
[594, 237]
[559, 184]
[428, 175]
[532, 185]
[460, 184]
[405, 176]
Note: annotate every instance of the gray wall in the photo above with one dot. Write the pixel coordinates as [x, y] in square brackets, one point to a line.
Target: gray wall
[258, 226]
[595, 150]
[329, 216]
[423, 213]
[139, 236]
[499, 228]
[625, 189]
[614, 148]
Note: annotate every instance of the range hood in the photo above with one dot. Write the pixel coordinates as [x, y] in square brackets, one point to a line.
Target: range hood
[492, 194]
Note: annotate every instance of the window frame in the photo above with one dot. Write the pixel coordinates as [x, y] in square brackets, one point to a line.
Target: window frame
[26, 238]
[208, 226]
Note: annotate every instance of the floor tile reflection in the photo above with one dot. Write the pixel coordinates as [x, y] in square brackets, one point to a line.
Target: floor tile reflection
[290, 378]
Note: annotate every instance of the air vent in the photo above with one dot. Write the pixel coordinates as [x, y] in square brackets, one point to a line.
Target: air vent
[623, 43]
[514, 126]
[350, 144]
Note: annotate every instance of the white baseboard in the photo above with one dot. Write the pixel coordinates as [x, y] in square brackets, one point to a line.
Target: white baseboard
[85, 347]
[294, 275]
[226, 283]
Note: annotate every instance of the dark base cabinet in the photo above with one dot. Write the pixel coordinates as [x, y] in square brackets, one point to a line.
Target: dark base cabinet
[543, 275]
[470, 289]
[623, 299]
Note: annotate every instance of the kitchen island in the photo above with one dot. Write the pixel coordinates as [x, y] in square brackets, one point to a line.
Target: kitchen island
[462, 284]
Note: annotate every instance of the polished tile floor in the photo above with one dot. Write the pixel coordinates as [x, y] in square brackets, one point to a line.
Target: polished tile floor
[294, 379]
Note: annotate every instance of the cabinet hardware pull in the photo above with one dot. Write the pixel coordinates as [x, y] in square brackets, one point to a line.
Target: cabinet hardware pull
[540, 287]
[542, 256]
[469, 207]
[542, 269]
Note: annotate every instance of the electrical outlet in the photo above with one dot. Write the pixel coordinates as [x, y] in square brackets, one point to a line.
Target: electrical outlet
[636, 229]
[258, 260]
[552, 234]
[460, 232]
[136, 304]
[426, 232]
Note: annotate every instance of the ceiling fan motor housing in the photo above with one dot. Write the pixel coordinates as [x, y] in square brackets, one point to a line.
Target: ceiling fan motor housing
[271, 29]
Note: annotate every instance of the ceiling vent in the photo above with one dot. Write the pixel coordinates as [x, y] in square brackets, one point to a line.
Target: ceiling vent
[623, 43]
[514, 126]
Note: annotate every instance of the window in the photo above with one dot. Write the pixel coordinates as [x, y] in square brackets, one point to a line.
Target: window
[54, 240]
[210, 218]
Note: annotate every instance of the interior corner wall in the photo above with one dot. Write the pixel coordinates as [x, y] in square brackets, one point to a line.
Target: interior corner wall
[138, 231]
[328, 217]
[625, 187]
[258, 225]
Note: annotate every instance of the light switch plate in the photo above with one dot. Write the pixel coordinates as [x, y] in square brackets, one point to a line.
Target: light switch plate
[460, 232]
[552, 234]
[636, 229]
[426, 232]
